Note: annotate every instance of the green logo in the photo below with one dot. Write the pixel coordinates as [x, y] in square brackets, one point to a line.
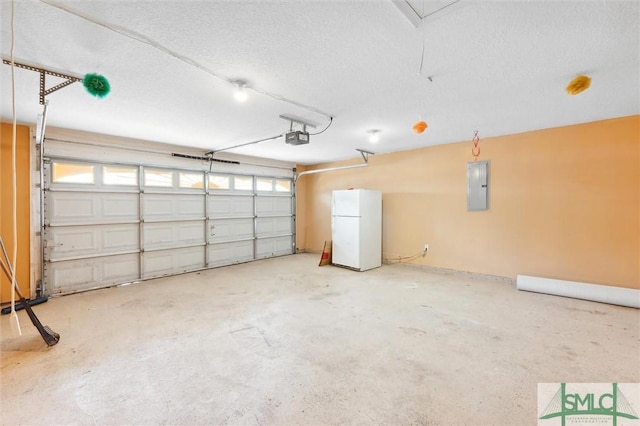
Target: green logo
[588, 402]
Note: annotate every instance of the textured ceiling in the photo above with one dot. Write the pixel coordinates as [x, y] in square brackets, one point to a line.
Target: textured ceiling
[496, 66]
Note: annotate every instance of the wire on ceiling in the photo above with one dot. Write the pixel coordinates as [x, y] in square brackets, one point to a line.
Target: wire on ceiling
[325, 129]
[438, 10]
[146, 40]
[423, 37]
[422, 25]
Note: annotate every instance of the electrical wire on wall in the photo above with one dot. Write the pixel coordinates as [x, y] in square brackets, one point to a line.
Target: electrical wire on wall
[15, 323]
[402, 259]
[475, 151]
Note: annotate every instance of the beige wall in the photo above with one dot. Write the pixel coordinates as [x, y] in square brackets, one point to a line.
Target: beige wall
[6, 205]
[564, 204]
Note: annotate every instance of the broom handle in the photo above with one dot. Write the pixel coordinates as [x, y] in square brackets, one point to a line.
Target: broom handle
[10, 276]
[9, 272]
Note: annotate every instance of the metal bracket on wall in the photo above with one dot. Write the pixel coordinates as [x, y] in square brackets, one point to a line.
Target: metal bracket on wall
[70, 79]
[365, 157]
[298, 120]
[365, 154]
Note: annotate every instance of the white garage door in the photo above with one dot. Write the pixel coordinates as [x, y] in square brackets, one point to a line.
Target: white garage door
[109, 224]
[274, 217]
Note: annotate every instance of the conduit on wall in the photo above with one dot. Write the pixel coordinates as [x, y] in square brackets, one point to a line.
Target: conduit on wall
[621, 296]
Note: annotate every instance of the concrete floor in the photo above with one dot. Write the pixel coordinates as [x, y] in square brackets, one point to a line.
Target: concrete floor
[283, 341]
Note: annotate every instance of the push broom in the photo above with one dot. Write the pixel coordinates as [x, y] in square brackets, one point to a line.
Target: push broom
[49, 336]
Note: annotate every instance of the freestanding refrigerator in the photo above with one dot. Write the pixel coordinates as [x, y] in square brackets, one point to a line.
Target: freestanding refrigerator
[356, 228]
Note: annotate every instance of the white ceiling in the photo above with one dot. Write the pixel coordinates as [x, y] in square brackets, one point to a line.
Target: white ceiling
[499, 67]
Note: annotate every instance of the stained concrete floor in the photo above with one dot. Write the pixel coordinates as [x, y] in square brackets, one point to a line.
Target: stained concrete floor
[283, 341]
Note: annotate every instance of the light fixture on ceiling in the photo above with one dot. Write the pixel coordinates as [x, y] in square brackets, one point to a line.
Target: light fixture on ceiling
[241, 92]
[374, 135]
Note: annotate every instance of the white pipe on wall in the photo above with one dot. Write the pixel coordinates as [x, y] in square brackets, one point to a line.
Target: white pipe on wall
[622, 296]
[330, 169]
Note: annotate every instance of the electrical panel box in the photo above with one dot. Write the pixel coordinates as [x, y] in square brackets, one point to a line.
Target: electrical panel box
[297, 138]
[477, 186]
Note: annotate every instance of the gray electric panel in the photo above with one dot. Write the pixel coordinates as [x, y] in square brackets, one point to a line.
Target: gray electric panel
[477, 186]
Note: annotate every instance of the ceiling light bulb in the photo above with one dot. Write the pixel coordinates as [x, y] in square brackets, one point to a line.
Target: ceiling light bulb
[241, 94]
[374, 136]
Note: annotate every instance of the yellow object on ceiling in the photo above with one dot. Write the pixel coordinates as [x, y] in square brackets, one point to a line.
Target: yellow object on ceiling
[578, 85]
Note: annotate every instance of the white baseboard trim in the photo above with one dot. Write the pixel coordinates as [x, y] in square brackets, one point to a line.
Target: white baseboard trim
[598, 293]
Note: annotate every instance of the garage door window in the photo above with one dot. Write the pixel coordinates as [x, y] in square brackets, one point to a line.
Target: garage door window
[72, 173]
[125, 176]
[264, 184]
[243, 183]
[162, 178]
[283, 185]
[191, 180]
[219, 182]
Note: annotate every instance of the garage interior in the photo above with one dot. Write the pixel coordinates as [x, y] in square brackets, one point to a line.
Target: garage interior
[167, 170]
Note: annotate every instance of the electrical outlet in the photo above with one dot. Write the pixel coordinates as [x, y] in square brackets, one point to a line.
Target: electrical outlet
[426, 247]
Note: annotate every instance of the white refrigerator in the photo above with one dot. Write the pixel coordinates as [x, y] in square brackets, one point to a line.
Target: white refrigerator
[356, 228]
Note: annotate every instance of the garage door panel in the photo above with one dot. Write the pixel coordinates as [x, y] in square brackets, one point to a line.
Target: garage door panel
[67, 208]
[273, 206]
[230, 253]
[273, 226]
[122, 237]
[230, 206]
[172, 234]
[173, 206]
[74, 274]
[84, 207]
[270, 247]
[120, 206]
[118, 269]
[174, 261]
[230, 229]
[83, 274]
[65, 242]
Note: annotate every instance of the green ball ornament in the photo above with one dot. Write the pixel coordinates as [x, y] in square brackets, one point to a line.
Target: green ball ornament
[96, 85]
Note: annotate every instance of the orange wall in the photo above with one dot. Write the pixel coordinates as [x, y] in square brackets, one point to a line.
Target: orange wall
[6, 203]
[564, 203]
